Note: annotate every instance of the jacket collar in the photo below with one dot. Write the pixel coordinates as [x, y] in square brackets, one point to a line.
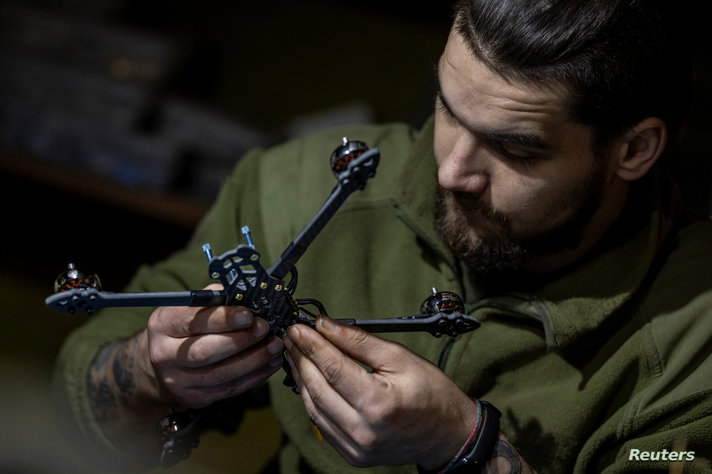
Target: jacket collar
[592, 294]
[415, 204]
[586, 296]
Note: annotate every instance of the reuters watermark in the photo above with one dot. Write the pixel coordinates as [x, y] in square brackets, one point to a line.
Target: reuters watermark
[664, 455]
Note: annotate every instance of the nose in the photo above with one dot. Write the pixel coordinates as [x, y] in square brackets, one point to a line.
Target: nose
[463, 168]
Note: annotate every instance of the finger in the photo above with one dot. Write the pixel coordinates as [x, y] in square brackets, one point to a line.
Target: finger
[197, 387]
[343, 374]
[197, 397]
[334, 378]
[180, 321]
[267, 353]
[219, 319]
[364, 347]
[187, 321]
[207, 349]
[331, 430]
[342, 425]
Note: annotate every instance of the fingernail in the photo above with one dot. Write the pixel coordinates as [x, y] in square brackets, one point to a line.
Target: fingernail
[276, 362]
[275, 347]
[293, 333]
[243, 318]
[327, 323]
[261, 327]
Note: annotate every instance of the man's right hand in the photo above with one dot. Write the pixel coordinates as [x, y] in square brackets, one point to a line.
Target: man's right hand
[202, 355]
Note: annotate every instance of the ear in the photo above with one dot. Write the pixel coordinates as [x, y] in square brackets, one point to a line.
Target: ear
[641, 147]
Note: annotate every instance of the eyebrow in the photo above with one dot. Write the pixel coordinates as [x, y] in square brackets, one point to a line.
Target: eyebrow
[508, 135]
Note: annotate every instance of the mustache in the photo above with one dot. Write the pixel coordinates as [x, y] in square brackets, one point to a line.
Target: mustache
[473, 205]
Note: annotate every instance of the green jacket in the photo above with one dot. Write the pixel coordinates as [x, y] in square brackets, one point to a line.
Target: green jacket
[611, 356]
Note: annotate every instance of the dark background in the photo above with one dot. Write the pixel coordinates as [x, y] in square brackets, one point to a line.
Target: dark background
[119, 119]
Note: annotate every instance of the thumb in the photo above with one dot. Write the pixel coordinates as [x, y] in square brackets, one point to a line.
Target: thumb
[360, 345]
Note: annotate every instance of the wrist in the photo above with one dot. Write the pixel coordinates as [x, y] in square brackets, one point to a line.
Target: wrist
[476, 455]
[148, 387]
[445, 447]
[478, 447]
[124, 400]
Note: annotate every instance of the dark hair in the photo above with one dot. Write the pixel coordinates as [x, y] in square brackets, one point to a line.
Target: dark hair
[621, 60]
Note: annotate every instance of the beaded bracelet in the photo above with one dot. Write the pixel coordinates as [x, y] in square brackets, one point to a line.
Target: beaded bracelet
[469, 439]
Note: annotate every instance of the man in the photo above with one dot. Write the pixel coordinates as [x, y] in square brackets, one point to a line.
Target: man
[547, 215]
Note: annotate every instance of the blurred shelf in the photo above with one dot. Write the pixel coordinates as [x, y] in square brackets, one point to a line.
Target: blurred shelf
[170, 209]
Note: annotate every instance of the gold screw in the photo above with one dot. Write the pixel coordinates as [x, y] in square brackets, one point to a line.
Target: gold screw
[278, 287]
[263, 285]
[239, 296]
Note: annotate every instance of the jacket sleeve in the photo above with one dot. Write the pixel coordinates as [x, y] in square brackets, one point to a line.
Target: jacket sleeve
[186, 269]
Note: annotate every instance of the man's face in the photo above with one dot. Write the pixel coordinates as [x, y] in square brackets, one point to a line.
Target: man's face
[518, 180]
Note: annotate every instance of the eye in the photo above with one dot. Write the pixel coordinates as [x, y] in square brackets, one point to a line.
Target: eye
[515, 154]
[445, 111]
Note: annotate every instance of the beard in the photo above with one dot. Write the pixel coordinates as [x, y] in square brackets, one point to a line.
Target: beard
[501, 250]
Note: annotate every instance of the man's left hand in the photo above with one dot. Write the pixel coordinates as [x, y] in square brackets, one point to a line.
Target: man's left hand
[403, 411]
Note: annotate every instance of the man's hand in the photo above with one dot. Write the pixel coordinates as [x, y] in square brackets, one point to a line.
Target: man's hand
[202, 355]
[404, 411]
[186, 358]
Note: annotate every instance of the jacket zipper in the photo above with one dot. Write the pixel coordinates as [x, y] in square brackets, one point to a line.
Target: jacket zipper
[445, 353]
[540, 314]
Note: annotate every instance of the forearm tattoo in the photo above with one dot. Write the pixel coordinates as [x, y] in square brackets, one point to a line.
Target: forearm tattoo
[505, 459]
[122, 399]
[102, 395]
[122, 368]
[111, 379]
